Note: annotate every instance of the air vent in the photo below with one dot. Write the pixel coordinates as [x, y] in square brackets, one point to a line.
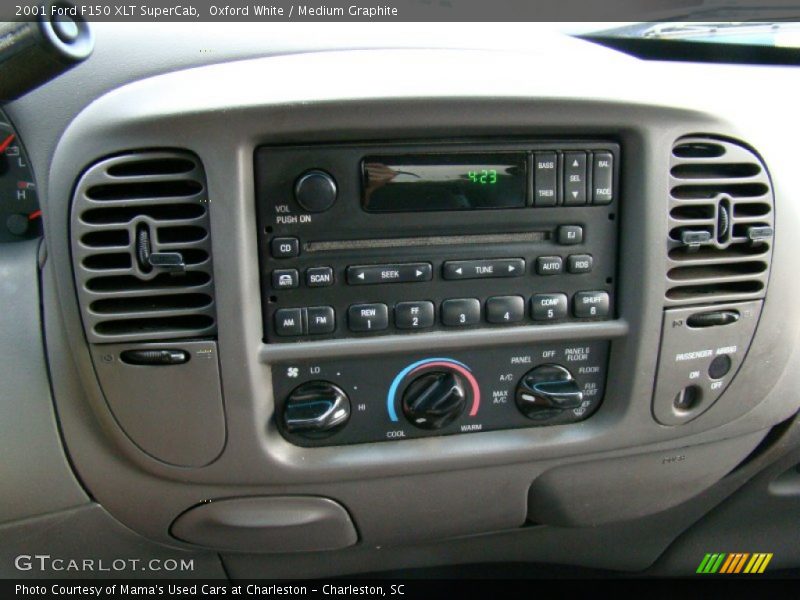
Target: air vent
[720, 223]
[142, 250]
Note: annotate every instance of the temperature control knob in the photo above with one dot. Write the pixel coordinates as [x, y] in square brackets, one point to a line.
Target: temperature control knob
[547, 391]
[316, 409]
[434, 399]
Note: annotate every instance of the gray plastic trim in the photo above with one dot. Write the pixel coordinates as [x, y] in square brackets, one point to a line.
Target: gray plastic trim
[484, 476]
[100, 546]
[729, 248]
[271, 353]
[172, 412]
[36, 475]
[697, 348]
[623, 489]
[629, 545]
[268, 525]
[760, 517]
[101, 175]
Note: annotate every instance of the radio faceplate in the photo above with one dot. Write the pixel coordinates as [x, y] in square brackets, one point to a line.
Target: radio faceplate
[330, 269]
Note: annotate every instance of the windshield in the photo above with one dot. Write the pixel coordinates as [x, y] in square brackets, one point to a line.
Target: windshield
[774, 34]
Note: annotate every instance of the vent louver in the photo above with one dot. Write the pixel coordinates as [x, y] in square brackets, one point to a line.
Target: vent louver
[141, 248]
[720, 223]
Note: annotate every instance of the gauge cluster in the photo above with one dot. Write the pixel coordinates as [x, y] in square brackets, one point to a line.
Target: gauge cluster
[20, 215]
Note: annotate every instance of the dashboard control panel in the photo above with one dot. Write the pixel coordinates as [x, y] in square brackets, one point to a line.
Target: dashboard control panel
[385, 398]
[369, 240]
[702, 349]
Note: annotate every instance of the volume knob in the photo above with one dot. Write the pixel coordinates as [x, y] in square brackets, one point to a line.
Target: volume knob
[316, 409]
[315, 191]
[435, 399]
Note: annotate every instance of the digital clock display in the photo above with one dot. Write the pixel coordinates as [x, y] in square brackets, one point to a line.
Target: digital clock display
[429, 182]
[483, 177]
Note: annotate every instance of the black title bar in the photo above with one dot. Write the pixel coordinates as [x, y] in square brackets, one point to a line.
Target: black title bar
[402, 10]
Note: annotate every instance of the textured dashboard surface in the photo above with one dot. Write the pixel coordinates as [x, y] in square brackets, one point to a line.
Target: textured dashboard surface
[417, 94]
[37, 476]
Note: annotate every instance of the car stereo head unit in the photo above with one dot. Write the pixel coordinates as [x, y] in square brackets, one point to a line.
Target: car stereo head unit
[377, 239]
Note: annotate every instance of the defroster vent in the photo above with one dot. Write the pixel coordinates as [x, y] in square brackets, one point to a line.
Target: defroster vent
[141, 248]
[721, 223]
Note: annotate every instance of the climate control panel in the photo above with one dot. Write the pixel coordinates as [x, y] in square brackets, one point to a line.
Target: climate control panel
[386, 398]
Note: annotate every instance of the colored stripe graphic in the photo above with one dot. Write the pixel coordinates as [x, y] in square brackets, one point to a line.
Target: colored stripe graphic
[715, 566]
[711, 563]
[729, 563]
[734, 563]
[765, 563]
[755, 561]
[703, 564]
[741, 562]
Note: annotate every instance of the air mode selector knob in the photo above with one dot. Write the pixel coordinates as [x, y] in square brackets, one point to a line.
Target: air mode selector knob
[315, 190]
[316, 409]
[434, 399]
[547, 391]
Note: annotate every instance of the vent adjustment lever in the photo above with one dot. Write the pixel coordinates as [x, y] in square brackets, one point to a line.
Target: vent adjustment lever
[695, 238]
[713, 319]
[759, 233]
[170, 262]
[154, 356]
[167, 261]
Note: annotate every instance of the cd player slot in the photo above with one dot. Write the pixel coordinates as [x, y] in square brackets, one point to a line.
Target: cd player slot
[428, 241]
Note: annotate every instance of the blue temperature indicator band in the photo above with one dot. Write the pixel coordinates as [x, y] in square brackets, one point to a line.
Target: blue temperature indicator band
[396, 383]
